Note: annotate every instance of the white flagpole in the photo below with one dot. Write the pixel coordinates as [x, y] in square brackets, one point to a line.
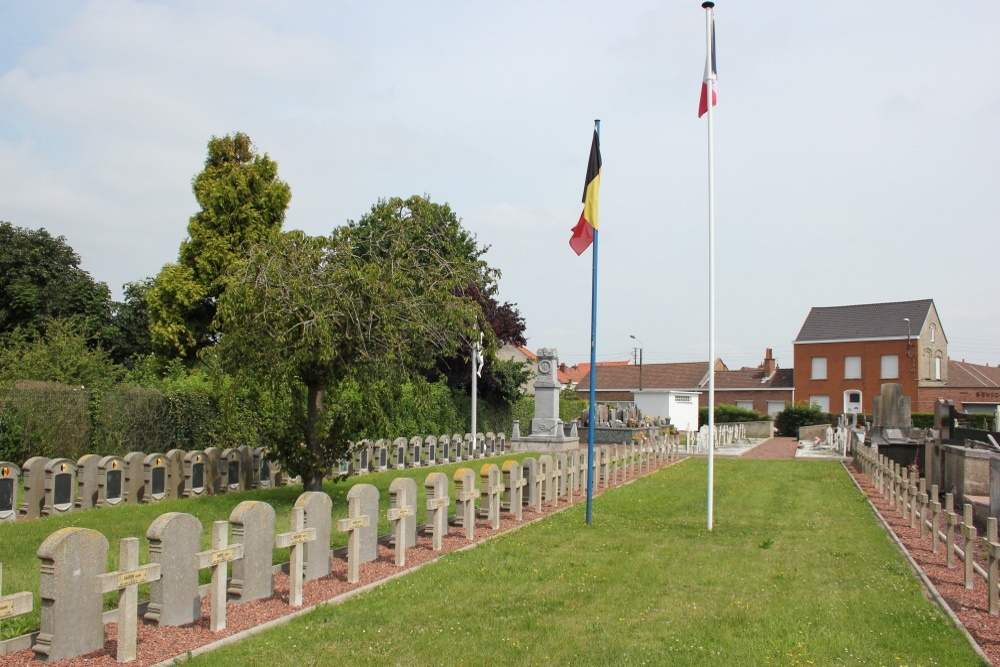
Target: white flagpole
[709, 21]
[475, 378]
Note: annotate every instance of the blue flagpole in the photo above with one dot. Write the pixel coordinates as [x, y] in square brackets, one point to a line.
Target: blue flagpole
[593, 371]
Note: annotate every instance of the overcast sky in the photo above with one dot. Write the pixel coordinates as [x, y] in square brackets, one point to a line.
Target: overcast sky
[857, 147]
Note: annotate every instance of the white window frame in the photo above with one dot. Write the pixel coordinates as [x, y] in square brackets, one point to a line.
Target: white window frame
[937, 367]
[771, 411]
[847, 367]
[890, 366]
[823, 401]
[818, 368]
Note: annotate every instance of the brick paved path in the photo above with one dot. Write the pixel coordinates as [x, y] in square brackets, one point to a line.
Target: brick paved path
[774, 448]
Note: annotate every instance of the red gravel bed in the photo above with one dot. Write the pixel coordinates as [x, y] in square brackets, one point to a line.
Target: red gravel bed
[158, 644]
[773, 448]
[971, 606]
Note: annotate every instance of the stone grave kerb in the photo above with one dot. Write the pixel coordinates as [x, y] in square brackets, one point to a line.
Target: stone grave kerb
[317, 508]
[10, 476]
[253, 526]
[402, 516]
[86, 481]
[174, 541]
[436, 486]
[33, 498]
[466, 495]
[72, 602]
[60, 487]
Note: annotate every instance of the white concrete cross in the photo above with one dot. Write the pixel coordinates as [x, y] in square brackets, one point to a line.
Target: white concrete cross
[126, 581]
[15, 604]
[351, 526]
[935, 517]
[218, 558]
[439, 522]
[397, 526]
[969, 531]
[296, 539]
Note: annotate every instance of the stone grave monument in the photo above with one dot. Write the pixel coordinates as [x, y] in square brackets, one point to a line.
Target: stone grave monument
[547, 433]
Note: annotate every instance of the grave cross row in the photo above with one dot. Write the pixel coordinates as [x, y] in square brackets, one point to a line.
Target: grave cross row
[218, 558]
[991, 546]
[297, 539]
[126, 581]
[352, 526]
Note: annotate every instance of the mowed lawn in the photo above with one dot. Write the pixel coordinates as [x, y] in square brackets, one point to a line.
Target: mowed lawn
[796, 572]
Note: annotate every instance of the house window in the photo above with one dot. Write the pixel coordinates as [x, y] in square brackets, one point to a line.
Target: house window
[933, 332]
[822, 401]
[819, 368]
[774, 407]
[852, 368]
[937, 368]
[746, 405]
[682, 399]
[890, 366]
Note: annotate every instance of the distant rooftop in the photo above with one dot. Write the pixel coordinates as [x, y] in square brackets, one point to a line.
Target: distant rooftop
[864, 321]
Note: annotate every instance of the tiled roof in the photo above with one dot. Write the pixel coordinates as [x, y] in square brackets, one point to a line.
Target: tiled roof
[577, 372]
[686, 376]
[868, 320]
[962, 374]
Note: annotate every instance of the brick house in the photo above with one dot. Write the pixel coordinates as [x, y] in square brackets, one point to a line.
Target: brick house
[843, 355]
[764, 388]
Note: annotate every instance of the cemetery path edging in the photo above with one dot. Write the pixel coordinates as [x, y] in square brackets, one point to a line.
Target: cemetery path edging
[929, 588]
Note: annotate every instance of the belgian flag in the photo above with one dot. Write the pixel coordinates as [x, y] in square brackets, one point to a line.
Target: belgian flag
[583, 233]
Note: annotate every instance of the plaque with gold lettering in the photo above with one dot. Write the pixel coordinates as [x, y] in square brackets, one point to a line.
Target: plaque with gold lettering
[223, 556]
[131, 578]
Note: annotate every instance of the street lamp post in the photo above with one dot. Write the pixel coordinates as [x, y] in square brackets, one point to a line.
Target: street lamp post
[640, 359]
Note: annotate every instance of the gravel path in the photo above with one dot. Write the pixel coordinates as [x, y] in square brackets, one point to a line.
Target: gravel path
[773, 448]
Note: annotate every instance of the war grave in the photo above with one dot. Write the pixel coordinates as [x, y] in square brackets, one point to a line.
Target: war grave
[369, 518]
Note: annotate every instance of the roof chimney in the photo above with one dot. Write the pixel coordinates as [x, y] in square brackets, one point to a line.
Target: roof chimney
[769, 363]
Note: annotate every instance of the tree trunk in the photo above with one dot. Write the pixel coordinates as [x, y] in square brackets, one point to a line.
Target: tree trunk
[313, 479]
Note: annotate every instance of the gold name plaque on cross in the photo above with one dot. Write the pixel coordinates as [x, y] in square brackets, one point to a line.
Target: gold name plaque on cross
[131, 578]
[359, 522]
[299, 538]
[223, 556]
[6, 608]
[404, 511]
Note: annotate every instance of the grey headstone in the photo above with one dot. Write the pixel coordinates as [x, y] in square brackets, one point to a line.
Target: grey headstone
[174, 540]
[34, 487]
[399, 447]
[431, 447]
[437, 500]
[232, 470]
[416, 451]
[195, 474]
[261, 468]
[403, 493]
[60, 483]
[491, 444]
[175, 473]
[492, 487]
[215, 472]
[545, 469]
[317, 508]
[513, 492]
[446, 454]
[253, 527]
[154, 473]
[9, 476]
[249, 477]
[135, 482]
[110, 481]
[383, 454]
[462, 447]
[87, 468]
[72, 559]
[501, 443]
[362, 500]
[466, 495]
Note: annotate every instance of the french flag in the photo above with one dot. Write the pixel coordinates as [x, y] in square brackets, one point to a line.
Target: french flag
[711, 73]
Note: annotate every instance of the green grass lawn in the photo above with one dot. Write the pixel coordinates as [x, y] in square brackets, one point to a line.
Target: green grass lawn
[796, 572]
[19, 541]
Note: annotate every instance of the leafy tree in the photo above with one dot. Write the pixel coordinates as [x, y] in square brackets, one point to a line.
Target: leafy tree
[242, 202]
[62, 354]
[41, 279]
[128, 338]
[348, 319]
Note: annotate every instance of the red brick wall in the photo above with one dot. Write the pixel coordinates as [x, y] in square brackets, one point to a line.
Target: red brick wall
[871, 380]
[958, 394]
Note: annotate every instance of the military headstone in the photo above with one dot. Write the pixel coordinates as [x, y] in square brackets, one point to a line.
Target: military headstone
[382, 453]
[446, 454]
[402, 516]
[9, 476]
[86, 481]
[215, 472]
[361, 525]
[431, 446]
[399, 445]
[253, 527]
[34, 488]
[175, 474]
[154, 478]
[174, 541]
[317, 508]
[60, 485]
[416, 447]
[463, 449]
[110, 481]
[250, 478]
[232, 471]
[501, 443]
[196, 468]
[437, 507]
[72, 603]
[135, 482]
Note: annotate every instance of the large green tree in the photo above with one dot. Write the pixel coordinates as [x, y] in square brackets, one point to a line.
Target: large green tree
[347, 319]
[41, 280]
[243, 202]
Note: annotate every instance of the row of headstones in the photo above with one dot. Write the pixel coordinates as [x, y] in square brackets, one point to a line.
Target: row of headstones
[909, 496]
[367, 456]
[73, 560]
[725, 434]
[58, 486]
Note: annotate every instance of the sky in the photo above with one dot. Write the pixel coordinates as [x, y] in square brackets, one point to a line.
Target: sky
[857, 148]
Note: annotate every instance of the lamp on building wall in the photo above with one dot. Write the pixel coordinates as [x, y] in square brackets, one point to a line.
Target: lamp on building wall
[913, 370]
[640, 359]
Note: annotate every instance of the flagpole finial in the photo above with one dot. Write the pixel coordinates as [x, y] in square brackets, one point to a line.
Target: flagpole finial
[708, 5]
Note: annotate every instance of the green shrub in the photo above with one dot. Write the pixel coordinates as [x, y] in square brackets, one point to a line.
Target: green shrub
[726, 413]
[922, 419]
[795, 416]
